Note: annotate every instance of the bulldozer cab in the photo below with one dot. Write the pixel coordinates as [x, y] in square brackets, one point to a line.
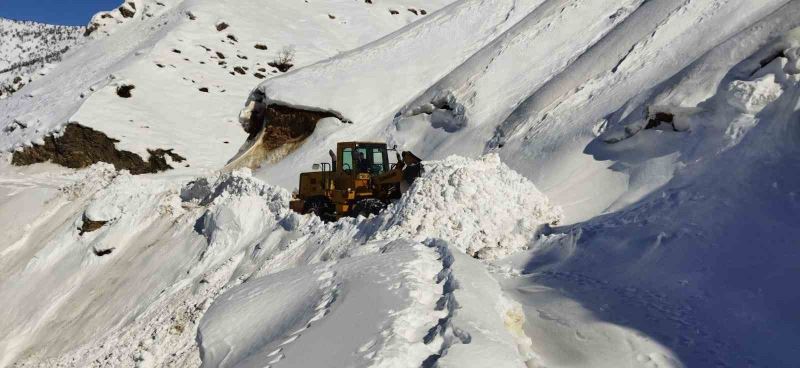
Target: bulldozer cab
[362, 158]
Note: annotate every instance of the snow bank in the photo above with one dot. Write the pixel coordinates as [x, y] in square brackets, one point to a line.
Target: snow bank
[386, 303]
[481, 206]
[751, 96]
[437, 45]
[407, 305]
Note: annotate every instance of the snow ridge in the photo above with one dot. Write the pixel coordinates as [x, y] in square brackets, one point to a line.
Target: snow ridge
[29, 50]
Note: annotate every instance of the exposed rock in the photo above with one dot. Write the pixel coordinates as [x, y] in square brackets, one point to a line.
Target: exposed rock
[80, 147]
[240, 70]
[287, 125]
[275, 131]
[260, 46]
[128, 10]
[102, 252]
[221, 26]
[655, 119]
[89, 226]
[124, 90]
[283, 67]
[91, 28]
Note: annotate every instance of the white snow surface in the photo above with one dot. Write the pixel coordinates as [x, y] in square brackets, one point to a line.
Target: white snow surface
[214, 233]
[170, 50]
[480, 206]
[29, 50]
[603, 239]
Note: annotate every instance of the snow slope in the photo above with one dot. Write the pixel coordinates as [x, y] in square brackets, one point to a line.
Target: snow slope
[536, 84]
[168, 248]
[177, 60]
[29, 50]
[705, 264]
[624, 194]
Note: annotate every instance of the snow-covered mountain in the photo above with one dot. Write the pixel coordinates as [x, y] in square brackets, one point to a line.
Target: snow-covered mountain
[624, 195]
[29, 49]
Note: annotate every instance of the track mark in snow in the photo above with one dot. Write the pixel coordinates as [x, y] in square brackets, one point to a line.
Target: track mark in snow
[444, 334]
[653, 307]
[330, 290]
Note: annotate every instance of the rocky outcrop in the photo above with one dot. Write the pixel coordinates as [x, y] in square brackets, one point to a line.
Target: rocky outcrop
[275, 131]
[80, 147]
[284, 125]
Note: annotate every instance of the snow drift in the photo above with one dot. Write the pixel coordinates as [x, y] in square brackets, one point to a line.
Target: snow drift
[481, 206]
[661, 136]
[229, 229]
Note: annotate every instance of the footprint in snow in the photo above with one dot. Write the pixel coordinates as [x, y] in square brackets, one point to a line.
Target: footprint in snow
[329, 290]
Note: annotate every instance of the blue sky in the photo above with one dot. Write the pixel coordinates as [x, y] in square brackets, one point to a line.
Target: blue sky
[70, 12]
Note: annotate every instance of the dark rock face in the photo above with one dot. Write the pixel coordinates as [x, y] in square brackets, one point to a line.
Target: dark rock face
[128, 11]
[287, 125]
[90, 29]
[81, 147]
[124, 90]
[89, 226]
[655, 119]
[282, 66]
[102, 252]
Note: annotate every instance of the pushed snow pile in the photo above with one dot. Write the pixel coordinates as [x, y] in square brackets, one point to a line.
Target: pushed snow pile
[211, 190]
[240, 208]
[752, 96]
[481, 206]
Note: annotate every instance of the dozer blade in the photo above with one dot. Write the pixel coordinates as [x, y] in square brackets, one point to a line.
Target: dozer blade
[411, 171]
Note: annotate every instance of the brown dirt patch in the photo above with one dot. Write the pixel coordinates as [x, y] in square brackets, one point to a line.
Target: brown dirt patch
[89, 226]
[288, 125]
[81, 147]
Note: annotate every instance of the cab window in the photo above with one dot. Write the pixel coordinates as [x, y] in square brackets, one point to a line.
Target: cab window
[347, 159]
[378, 165]
[361, 160]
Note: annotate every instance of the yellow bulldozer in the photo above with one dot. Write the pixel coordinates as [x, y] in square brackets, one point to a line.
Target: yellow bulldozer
[359, 180]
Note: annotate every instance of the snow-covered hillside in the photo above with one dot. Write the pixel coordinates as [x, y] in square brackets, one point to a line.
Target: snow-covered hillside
[606, 184]
[29, 50]
[178, 59]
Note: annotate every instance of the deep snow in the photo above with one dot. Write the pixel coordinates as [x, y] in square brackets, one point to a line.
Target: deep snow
[568, 231]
